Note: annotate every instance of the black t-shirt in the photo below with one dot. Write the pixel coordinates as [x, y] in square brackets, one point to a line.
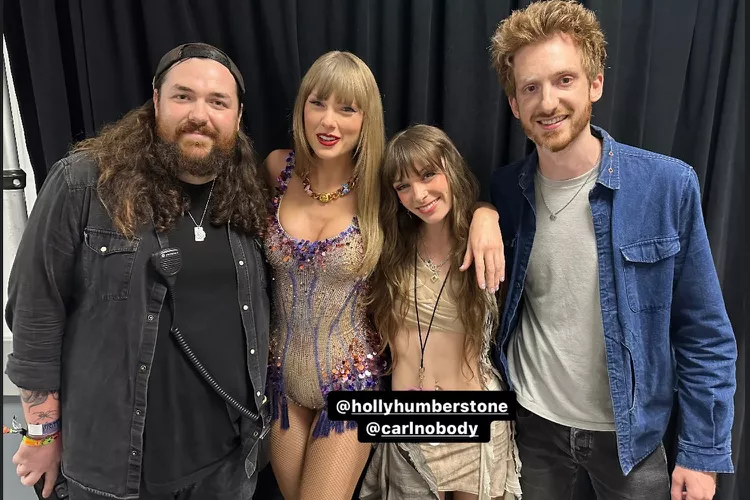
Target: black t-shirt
[190, 428]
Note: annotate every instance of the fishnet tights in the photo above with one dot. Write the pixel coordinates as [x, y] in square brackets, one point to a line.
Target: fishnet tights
[311, 469]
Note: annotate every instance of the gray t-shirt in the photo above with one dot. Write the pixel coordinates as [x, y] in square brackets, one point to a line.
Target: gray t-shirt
[556, 355]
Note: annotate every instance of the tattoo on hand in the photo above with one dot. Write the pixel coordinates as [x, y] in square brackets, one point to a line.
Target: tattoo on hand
[36, 398]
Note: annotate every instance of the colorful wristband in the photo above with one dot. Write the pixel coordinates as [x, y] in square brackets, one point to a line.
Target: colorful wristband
[40, 442]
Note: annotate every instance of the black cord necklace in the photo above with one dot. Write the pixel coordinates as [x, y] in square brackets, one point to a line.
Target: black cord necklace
[422, 346]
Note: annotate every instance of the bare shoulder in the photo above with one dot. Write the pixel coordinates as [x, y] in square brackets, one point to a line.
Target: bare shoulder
[274, 164]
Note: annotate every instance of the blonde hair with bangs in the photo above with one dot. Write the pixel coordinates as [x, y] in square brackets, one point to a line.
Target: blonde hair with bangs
[349, 78]
[541, 21]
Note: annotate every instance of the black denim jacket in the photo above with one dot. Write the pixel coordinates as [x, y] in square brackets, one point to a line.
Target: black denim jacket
[84, 305]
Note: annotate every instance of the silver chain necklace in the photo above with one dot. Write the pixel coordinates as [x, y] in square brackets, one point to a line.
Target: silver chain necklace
[200, 234]
[433, 267]
[553, 215]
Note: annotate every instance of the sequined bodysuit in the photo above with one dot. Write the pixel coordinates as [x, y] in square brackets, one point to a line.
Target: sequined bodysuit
[321, 339]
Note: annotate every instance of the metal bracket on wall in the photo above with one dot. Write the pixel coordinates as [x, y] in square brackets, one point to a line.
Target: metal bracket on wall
[14, 179]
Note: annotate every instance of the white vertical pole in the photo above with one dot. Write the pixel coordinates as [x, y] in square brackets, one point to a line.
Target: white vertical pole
[14, 212]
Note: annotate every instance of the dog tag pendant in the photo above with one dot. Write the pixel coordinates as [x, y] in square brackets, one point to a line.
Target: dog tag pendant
[200, 234]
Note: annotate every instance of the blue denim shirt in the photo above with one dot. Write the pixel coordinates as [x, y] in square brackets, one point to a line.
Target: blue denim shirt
[665, 324]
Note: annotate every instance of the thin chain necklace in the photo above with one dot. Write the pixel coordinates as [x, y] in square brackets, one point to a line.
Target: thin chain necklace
[553, 215]
[198, 231]
[423, 345]
[434, 268]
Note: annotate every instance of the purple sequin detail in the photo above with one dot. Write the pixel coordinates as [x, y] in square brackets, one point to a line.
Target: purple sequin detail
[303, 251]
[347, 376]
[360, 367]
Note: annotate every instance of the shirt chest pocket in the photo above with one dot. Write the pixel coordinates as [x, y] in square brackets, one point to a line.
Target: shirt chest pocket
[108, 262]
[649, 273]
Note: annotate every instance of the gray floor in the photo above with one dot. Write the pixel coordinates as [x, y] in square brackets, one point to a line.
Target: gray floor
[12, 487]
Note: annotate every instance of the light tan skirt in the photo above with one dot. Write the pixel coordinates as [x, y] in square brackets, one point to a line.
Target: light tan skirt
[486, 469]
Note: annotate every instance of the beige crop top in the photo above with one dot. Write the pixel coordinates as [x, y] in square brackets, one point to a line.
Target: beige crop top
[446, 316]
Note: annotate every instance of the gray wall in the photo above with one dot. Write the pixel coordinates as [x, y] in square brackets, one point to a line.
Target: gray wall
[12, 487]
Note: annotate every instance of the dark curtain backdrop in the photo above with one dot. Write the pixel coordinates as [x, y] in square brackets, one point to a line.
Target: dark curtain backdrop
[674, 83]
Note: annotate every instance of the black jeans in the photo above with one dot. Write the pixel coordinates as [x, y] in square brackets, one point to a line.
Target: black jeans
[552, 456]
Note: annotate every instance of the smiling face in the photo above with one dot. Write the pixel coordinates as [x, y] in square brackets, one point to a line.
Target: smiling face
[425, 193]
[332, 128]
[553, 95]
[197, 108]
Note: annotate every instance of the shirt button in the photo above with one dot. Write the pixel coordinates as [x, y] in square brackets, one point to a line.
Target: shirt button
[142, 368]
[245, 307]
[255, 434]
[134, 453]
[242, 262]
[257, 393]
[150, 317]
[518, 285]
[252, 351]
[138, 412]
[103, 249]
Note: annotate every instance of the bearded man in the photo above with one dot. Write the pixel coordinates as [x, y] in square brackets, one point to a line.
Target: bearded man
[105, 352]
[613, 303]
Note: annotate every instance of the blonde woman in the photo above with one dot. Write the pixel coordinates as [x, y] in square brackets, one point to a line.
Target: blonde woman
[436, 323]
[323, 242]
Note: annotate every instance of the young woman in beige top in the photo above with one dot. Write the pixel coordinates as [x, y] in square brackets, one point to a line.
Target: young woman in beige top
[437, 324]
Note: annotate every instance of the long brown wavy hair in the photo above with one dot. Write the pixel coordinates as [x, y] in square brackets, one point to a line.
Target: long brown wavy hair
[135, 185]
[418, 149]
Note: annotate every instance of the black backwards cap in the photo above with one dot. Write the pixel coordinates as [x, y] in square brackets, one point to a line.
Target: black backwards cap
[202, 51]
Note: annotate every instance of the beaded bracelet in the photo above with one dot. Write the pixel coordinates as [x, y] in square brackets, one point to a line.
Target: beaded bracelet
[40, 442]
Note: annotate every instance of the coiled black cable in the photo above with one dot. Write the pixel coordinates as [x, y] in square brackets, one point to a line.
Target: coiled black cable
[168, 263]
[207, 376]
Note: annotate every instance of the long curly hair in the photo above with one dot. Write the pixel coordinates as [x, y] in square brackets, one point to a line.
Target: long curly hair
[428, 148]
[136, 186]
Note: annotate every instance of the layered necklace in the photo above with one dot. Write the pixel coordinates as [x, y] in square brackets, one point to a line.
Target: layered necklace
[432, 266]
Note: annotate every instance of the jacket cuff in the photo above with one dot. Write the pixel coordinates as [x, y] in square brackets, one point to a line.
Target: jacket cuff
[704, 459]
[33, 375]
